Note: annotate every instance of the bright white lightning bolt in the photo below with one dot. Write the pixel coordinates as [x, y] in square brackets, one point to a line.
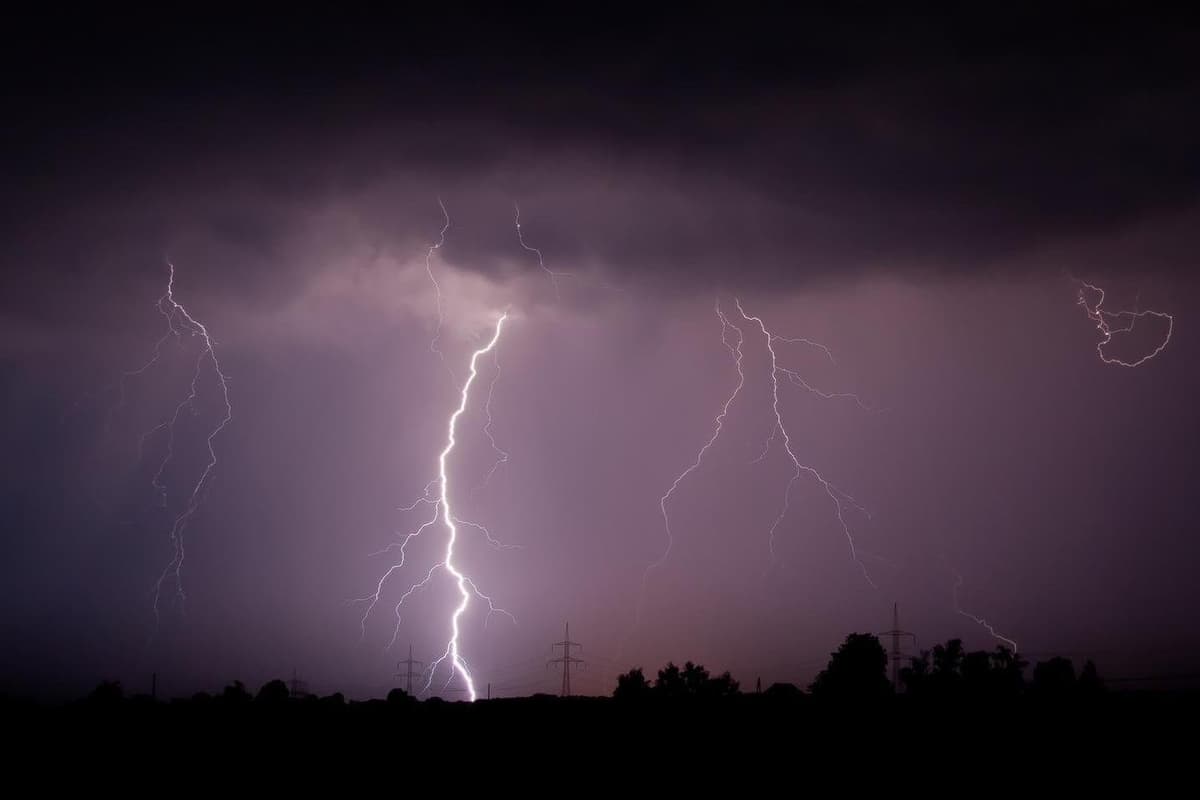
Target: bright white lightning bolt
[835, 495]
[443, 512]
[958, 582]
[179, 321]
[1103, 320]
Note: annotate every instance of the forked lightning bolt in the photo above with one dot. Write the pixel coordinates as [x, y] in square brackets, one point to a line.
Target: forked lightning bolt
[839, 498]
[443, 512]
[179, 322]
[1104, 324]
[733, 343]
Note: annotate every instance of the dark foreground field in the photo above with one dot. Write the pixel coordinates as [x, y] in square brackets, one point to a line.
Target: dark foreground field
[982, 716]
[1118, 733]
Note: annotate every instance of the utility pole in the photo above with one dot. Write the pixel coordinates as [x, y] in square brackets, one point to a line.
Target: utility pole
[297, 688]
[896, 654]
[566, 659]
[408, 673]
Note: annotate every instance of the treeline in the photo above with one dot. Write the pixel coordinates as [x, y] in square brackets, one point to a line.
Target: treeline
[857, 671]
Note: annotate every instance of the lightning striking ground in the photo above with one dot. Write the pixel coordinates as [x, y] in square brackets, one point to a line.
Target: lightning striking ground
[443, 512]
[179, 322]
[1104, 319]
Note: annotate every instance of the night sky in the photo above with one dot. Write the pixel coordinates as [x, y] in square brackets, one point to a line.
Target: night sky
[921, 195]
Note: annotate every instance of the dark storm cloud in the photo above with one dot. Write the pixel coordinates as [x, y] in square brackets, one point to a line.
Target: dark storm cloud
[908, 192]
[672, 149]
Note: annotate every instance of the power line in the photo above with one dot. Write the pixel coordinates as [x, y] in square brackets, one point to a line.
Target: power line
[566, 659]
[408, 673]
[896, 654]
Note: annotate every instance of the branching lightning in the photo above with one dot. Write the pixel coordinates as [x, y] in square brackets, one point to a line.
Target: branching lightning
[839, 498]
[180, 321]
[440, 502]
[734, 342]
[1104, 324]
[735, 350]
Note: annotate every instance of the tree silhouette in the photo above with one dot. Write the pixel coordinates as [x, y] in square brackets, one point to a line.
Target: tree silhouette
[721, 686]
[915, 676]
[857, 670]
[1008, 672]
[670, 681]
[947, 671]
[397, 697]
[1054, 677]
[632, 686]
[235, 694]
[273, 692]
[107, 693]
[1089, 679]
[694, 678]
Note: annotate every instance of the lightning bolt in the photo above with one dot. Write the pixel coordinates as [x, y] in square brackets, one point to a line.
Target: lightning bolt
[734, 343]
[1104, 324]
[166, 309]
[980, 621]
[440, 503]
[839, 498]
[735, 350]
[554, 276]
[437, 287]
[179, 322]
[501, 454]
